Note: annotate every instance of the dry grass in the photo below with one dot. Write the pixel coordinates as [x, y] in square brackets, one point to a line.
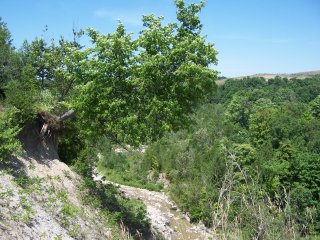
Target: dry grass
[299, 75]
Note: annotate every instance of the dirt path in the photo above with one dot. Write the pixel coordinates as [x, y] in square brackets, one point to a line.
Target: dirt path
[164, 215]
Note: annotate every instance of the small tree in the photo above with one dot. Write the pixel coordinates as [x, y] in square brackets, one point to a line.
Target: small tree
[9, 60]
[9, 129]
[137, 90]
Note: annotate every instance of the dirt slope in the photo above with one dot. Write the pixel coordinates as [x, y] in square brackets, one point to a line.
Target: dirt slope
[165, 217]
[40, 198]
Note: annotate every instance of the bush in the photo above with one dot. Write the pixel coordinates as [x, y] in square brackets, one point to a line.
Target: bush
[9, 129]
[24, 96]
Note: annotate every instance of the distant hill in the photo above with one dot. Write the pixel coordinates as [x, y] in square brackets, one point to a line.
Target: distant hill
[300, 75]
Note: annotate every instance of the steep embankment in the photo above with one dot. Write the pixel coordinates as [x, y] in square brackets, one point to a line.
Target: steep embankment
[165, 217]
[40, 196]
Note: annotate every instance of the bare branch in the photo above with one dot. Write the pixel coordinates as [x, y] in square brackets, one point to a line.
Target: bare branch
[67, 115]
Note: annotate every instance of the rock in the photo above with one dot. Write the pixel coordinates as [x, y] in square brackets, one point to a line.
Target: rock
[162, 179]
[174, 208]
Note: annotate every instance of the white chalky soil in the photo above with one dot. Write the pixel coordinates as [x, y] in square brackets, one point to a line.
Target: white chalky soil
[164, 215]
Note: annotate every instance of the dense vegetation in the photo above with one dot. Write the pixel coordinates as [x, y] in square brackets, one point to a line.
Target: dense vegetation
[243, 158]
[249, 164]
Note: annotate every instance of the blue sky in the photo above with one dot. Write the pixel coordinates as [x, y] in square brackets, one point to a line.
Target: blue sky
[251, 36]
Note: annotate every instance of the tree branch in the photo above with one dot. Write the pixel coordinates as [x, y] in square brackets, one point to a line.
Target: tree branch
[67, 115]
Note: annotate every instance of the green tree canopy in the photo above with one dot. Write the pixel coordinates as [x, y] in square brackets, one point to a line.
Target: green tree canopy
[9, 59]
[135, 90]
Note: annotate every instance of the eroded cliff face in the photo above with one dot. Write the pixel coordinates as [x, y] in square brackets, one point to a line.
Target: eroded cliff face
[40, 196]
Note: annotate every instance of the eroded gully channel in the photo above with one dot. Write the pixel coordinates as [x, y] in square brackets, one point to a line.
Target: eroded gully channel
[165, 217]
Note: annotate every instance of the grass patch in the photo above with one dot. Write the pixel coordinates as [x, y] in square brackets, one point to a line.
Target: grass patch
[129, 179]
[127, 168]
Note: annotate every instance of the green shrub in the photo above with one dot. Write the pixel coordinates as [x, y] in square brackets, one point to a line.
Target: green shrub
[24, 96]
[9, 130]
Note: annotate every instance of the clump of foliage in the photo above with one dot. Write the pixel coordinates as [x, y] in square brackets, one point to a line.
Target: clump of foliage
[139, 89]
[9, 130]
[10, 65]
